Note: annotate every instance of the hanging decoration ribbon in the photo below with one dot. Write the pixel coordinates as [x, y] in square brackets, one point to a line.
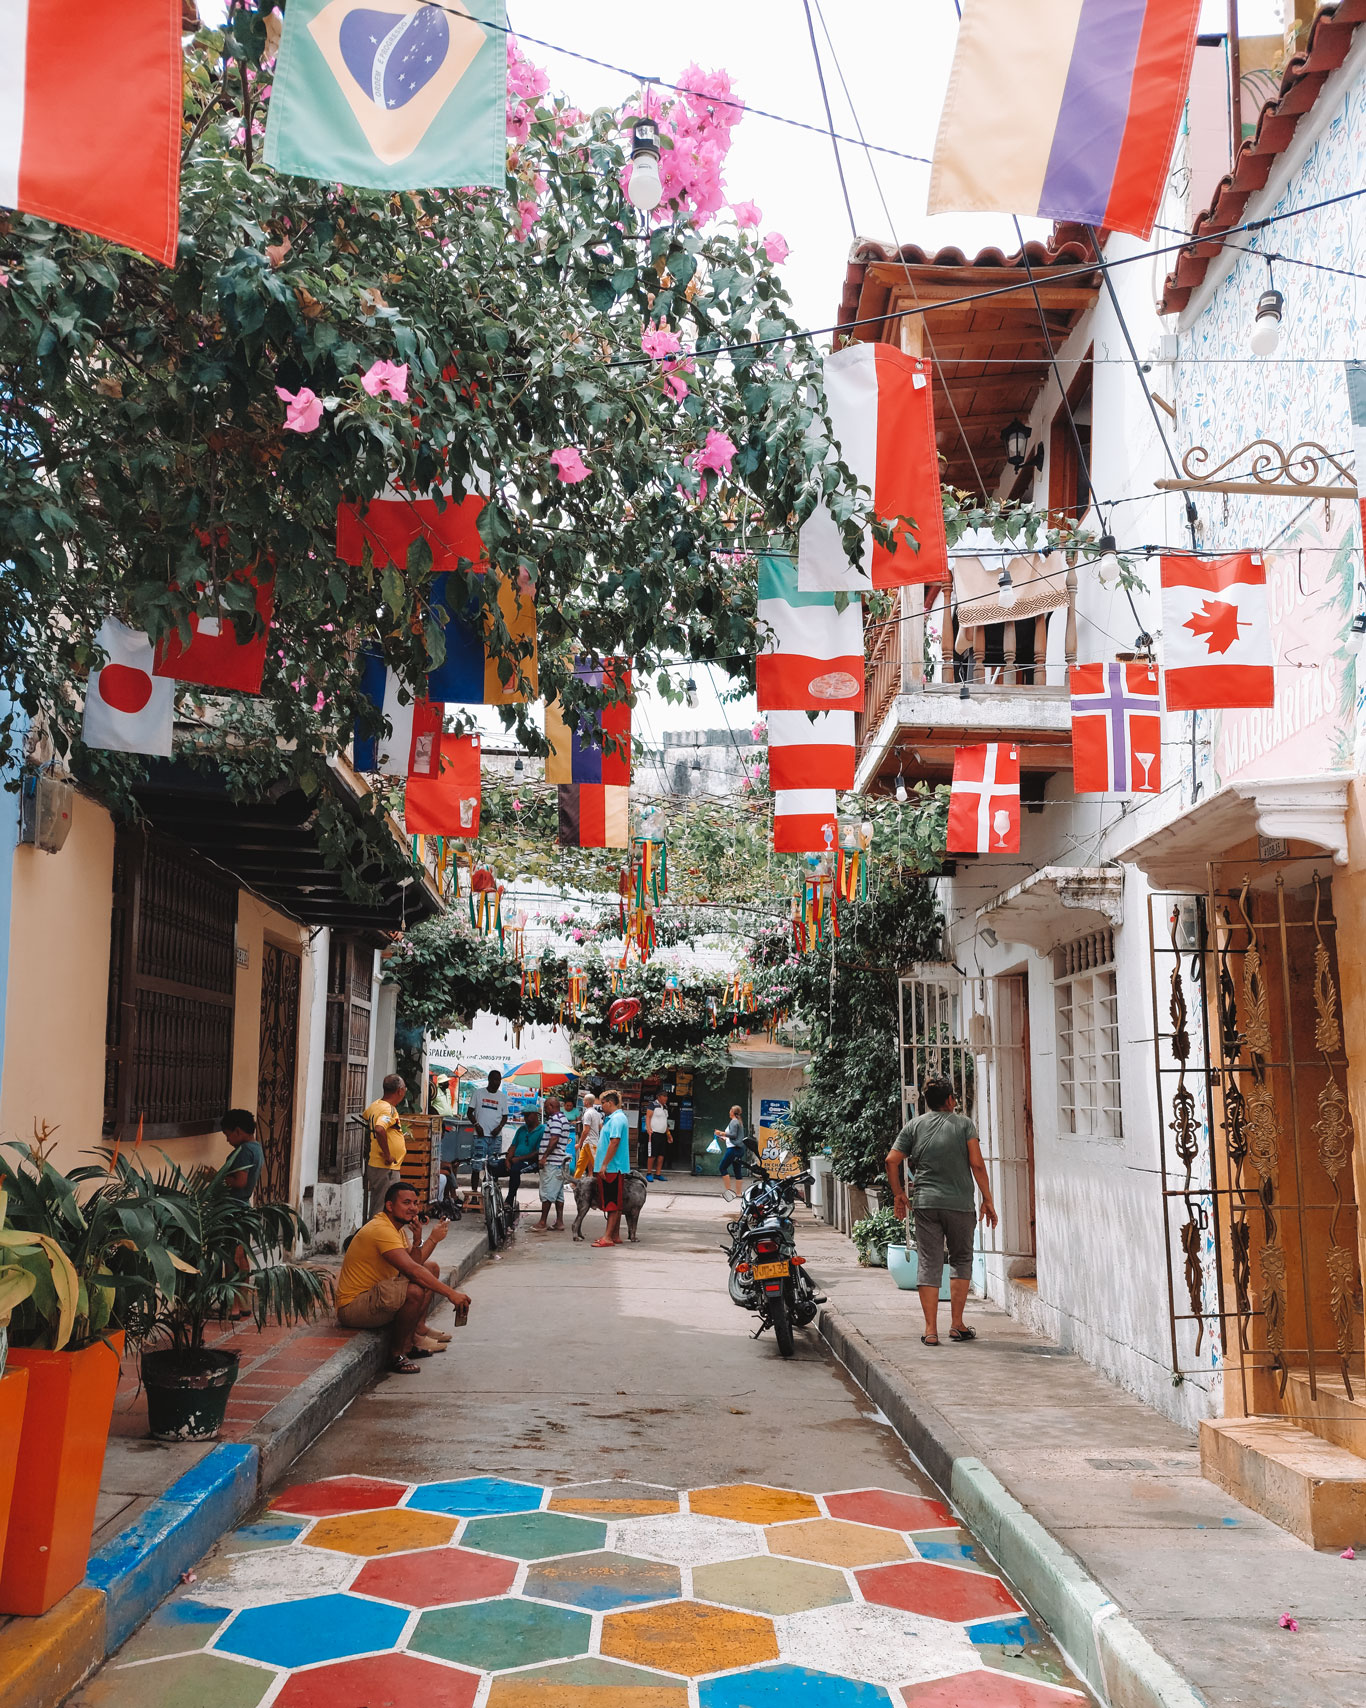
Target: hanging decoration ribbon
[486, 904]
[576, 999]
[644, 888]
[672, 998]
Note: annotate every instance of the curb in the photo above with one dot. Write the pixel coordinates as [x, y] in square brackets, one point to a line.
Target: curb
[1106, 1647]
[44, 1659]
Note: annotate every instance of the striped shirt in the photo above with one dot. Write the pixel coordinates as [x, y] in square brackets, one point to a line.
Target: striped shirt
[555, 1143]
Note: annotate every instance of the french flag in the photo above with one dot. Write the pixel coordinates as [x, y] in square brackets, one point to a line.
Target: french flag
[883, 421]
[90, 115]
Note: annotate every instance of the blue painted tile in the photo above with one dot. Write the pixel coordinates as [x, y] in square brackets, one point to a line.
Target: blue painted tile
[268, 1532]
[947, 1553]
[475, 1497]
[1012, 1633]
[317, 1628]
[791, 1687]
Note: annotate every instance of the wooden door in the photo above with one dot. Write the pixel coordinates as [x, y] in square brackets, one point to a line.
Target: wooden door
[280, 979]
[346, 1058]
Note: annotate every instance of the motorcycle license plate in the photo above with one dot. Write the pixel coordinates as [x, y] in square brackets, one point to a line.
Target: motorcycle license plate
[769, 1271]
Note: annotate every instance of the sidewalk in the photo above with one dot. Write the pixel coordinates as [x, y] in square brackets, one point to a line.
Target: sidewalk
[1202, 1579]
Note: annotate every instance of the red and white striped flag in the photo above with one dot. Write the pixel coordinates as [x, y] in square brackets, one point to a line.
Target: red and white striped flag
[801, 820]
[811, 752]
[883, 418]
[984, 806]
[1216, 633]
[1116, 730]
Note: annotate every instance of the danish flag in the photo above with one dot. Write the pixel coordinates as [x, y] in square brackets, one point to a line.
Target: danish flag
[984, 805]
[1216, 633]
[1116, 730]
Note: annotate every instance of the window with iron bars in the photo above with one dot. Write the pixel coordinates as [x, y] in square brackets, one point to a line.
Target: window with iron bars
[1087, 1007]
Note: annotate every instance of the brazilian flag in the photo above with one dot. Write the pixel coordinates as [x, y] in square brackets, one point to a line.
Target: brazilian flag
[395, 95]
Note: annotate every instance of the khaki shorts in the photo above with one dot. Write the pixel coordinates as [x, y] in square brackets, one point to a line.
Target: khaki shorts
[377, 1307]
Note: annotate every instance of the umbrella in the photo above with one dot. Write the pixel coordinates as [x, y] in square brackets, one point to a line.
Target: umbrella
[544, 1072]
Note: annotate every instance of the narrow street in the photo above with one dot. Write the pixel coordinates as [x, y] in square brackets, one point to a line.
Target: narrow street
[605, 1493]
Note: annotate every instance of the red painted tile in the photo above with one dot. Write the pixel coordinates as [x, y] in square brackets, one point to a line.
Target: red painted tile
[380, 1681]
[890, 1511]
[339, 1494]
[435, 1577]
[939, 1592]
[987, 1690]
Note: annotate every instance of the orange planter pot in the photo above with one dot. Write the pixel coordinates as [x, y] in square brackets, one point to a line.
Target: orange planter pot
[61, 1456]
[13, 1390]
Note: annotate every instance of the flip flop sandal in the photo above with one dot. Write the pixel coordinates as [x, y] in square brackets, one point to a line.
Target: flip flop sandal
[421, 1352]
[401, 1366]
[926, 1341]
[430, 1348]
[962, 1334]
[598, 1242]
[435, 1334]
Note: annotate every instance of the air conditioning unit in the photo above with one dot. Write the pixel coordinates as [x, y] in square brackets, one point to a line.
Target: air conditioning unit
[45, 808]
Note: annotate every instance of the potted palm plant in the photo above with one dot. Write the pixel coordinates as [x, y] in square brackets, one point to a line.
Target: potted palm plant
[229, 1255]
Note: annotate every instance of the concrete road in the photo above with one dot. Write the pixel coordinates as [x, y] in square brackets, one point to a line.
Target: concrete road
[678, 1518]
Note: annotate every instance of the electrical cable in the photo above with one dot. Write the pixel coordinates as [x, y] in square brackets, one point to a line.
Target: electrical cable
[829, 116]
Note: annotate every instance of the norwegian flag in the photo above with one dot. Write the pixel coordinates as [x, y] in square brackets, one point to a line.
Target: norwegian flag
[1116, 730]
[984, 806]
[1216, 633]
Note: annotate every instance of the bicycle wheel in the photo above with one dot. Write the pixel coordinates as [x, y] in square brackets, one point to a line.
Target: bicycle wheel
[494, 1225]
[782, 1325]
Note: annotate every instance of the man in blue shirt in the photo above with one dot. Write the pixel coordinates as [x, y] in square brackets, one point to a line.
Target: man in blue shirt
[246, 1159]
[612, 1163]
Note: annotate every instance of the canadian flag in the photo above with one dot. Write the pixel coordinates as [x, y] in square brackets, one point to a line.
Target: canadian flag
[804, 821]
[883, 417]
[127, 708]
[811, 752]
[1216, 633]
[984, 805]
[446, 801]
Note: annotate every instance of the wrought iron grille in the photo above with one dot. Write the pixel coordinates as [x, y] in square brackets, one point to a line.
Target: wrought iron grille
[280, 978]
[346, 1057]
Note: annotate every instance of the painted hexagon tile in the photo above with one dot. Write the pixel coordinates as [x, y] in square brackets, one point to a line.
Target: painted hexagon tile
[437, 1577]
[394, 1530]
[476, 1497]
[956, 1547]
[939, 1592]
[614, 1500]
[688, 1539]
[831, 1542]
[274, 1530]
[752, 1503]
[790, 1687]
[534, 1535]
[589, 1683]
[768, 1585]
[989, 1690]
[302, 1633]
[493, 1636]
[177, 1626]
[379, 1681]
[601, 1582]
[690, 1638]
[878, 1644]
[273, 1574]
[338, 1494]
[200, 1679]
[890, 1510]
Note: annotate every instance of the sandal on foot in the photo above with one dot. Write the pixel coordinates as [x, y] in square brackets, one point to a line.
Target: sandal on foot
[429, 1348]
[598, 1242]
[401, 1366]
[962, 1334]
[926, 1340]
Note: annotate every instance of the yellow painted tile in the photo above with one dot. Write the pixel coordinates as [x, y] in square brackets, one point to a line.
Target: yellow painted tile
[832, 1542]
[390, 1531]
[587, 1507]
[752, 1503]
[689, 1638]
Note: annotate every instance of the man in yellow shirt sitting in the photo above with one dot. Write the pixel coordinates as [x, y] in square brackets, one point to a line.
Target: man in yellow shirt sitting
[388, 1147]
[383, 1281]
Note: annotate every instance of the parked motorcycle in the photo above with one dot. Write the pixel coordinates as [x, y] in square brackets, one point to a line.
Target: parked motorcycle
[766, 1274]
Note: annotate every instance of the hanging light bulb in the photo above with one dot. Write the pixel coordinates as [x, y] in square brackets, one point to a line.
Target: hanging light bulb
[1005, 590]
[1109, 562]
[645, 191]
[1266, 327]
[696, 762]
[690, 692]
[518, 767]
[900, 789]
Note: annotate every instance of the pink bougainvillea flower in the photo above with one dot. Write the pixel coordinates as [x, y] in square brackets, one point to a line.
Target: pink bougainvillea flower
[1289, 1624]
[759, 731]
[569, 465]
[320, 702]
[519, 121]
[659, 342]
[717, 454]
[676, 386]
[516, 804]
[528, 213]
[388, 377]
[524, 78]
[746, 214]
[775, 247]
[303, 409]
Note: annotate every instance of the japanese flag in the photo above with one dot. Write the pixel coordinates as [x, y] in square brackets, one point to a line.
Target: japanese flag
[1216, 633]
[127, 708]
[984, 805]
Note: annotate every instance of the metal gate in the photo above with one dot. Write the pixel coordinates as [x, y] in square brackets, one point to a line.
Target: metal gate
[280, 975]
[1257, 1194]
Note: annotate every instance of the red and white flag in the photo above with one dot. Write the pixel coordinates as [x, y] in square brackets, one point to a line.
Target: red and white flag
[811, 752]
[127, 708]
[1216, 633]
[804, 821]
[811, 655]
[444, 801]
[90, 117]
[390, 524]
[1116, 730]
[984, 805]
[883, 417]
[214, 657]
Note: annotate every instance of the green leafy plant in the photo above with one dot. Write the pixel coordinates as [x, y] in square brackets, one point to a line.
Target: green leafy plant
[874, 1234]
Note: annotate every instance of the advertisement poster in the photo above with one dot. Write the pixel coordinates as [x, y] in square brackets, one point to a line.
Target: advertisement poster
[773, 1117]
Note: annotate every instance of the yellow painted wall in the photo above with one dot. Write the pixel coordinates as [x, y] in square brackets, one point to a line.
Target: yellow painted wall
[58, 984]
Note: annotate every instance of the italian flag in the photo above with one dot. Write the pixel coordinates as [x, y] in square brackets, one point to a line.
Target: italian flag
[811, 752]
[811, 657]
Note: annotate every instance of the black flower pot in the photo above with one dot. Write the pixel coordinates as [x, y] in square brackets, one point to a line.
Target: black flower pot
[187, 1393]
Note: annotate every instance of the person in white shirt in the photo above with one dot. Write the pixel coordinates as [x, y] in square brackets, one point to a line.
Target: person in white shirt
[658, 1138]
[489, 1112]
[589, 1127]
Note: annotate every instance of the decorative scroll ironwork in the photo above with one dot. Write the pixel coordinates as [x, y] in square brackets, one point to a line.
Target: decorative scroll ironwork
[1262, 1128]
[1334, 1131]
[1185, 1130]
[1235, 1137]
[1272, 470]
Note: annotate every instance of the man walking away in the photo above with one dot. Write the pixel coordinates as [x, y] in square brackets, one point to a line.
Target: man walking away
[659, 1137]
[944, 1157]
[589, 1127]
[612, 1164]
[733, 1157]
[388, 1147]
[553, 1161]
[382, 1282]
[489, 1113]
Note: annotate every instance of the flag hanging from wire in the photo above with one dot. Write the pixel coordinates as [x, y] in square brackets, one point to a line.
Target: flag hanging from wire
[984, 803]
[598, 748]
[404, 97]
[1116, 729]
[1067, 109]
[413, 746]
[445, 800]
[1216, 633]
[811, 752]
[594, 815]
[804, 821]
[390, 524]
[811, 654]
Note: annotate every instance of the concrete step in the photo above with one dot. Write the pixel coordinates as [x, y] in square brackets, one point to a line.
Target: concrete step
[1313, 1488]
[1328, 1412]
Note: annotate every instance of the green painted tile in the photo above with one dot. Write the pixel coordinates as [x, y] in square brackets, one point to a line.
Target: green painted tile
[207, 1681]
[1035, 1660]
[492, 1635]
[534, 1535]
[766, 1584]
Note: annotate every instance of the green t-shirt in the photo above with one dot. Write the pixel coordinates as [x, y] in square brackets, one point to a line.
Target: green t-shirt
[936, 1145]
